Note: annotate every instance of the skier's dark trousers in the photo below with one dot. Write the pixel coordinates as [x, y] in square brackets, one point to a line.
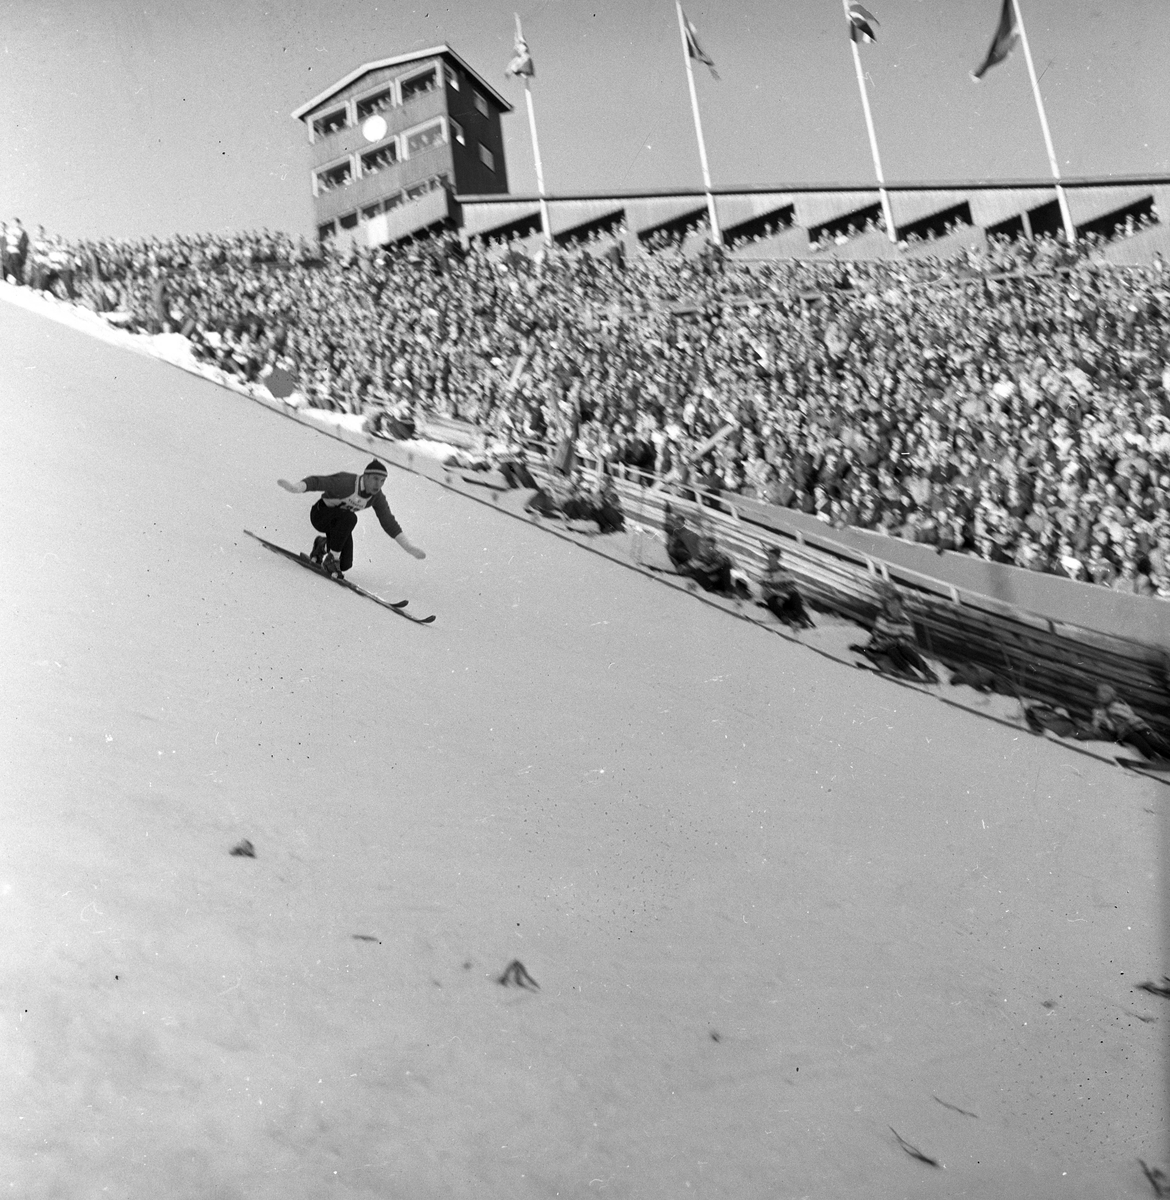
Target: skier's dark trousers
[337, 524]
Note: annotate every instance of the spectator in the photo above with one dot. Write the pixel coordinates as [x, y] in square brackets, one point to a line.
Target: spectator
[1013, 403]
[779, 593]
[893, 644]
[1115, 720]
[15, 251]
[711, 568]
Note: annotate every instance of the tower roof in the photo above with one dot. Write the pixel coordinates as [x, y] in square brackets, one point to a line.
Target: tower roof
[445, 51]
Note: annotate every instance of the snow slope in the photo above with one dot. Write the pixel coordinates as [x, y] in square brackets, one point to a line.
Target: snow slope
[776, 908]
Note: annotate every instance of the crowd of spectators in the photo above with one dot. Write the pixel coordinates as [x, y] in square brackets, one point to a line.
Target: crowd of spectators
[1012, 402]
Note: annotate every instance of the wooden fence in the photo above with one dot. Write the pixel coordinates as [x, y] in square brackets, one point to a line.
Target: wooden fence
[1031, 655]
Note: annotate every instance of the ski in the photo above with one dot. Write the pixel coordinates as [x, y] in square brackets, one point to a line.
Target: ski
[395, 606]
[909, 680]
[486, 483]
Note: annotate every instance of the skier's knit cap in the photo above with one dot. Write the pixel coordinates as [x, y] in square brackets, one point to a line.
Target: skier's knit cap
[376, 468]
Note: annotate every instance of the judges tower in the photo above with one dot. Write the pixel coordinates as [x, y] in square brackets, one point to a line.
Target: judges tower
[393, 141]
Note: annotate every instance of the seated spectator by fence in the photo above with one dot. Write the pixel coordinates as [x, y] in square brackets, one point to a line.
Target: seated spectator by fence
[572, 500]
[682, 542]
[394, 420]
[1116, 721]
[711, 568]
[695, 554]
[516, 473]
[513, 466]
[1044, 717]
[608, 511]
[779, 593]
[893, 644]
[975, 675]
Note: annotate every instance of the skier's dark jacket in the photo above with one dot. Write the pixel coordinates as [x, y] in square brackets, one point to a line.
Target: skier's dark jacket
[341, 491]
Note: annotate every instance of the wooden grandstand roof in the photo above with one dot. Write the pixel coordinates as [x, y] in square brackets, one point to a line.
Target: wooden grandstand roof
[298, 114]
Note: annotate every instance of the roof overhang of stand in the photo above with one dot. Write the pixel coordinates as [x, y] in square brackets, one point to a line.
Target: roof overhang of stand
[909, 207]
[488, 214]
[572, 215]
[739, 209]
[646, 215]
[814, 209]
[993, 206]
[991, 203]
[1087, 204]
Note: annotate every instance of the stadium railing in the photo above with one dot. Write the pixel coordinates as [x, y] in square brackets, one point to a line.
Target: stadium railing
[1034, 656]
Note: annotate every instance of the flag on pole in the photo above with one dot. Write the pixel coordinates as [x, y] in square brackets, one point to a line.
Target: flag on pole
[861, 23]
[695, 50]
[1007, 34]
[521, 64]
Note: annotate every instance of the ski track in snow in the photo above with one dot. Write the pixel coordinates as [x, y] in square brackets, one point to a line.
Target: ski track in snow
[771, 908]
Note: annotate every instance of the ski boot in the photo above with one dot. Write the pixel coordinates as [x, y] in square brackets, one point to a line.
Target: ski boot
[331, 565]
[318, 551]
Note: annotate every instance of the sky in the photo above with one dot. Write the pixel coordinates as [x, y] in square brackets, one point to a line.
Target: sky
[127, 119]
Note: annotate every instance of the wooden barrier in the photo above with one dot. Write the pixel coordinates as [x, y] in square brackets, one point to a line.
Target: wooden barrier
[1031, 655]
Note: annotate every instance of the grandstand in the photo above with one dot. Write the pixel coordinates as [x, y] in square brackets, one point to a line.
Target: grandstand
[1009, 405]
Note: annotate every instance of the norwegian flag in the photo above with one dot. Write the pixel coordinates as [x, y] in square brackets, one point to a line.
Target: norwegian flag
[861, 23]
[695, 50]
[521, 64]
[1007, 34]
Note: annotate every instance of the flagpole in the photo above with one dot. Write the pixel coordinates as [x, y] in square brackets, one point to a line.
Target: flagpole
[716, 235]
[544, 221]
[887, 211]
[521, 66]
[1070, 231]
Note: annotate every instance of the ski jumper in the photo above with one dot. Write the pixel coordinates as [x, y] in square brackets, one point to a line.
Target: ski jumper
[335, 514]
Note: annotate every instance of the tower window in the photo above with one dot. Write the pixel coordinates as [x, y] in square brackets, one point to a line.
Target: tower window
[425, 138]
[419, 85]
[487, 157]
[436, 183]
[381, 206]
[338, 176]
[481, 104]
[374, 161]
[378, 102]
[330, 123]
[457, 133]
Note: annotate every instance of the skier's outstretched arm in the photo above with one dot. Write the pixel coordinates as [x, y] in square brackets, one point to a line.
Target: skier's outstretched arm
[293, 487]
[409, 547]
[389, 523]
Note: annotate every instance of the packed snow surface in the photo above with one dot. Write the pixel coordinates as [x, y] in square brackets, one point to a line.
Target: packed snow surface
[780, 912]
